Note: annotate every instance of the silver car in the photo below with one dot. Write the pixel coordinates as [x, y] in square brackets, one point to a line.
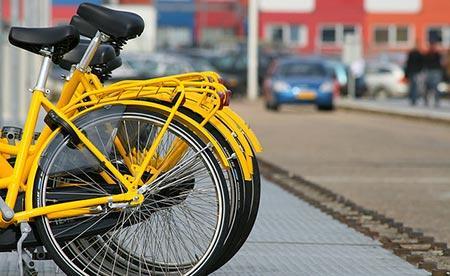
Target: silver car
[386, 80]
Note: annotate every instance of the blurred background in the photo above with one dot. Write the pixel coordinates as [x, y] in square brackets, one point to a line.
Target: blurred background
[362, 45]
[373, 56]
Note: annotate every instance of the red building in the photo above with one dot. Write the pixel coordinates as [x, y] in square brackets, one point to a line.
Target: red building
[312, 26]
[320, 26]
[219, 20]
[63, 10]
[61, 14]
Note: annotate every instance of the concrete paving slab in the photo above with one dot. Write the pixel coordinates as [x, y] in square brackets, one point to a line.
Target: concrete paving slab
[293, 238]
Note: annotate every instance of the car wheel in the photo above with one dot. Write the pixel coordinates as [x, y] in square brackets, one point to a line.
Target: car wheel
[328, 107]
[381, 93]
[272, 105]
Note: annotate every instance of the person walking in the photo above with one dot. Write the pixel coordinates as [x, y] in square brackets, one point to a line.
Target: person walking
[433, 73]
[447, 67]
[413, 70]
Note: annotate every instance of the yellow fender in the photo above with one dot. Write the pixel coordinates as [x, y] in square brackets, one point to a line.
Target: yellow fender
[190, 123]
[232, 131]
[241, 154]
[233, 136]
[245, 129]
[237, 133]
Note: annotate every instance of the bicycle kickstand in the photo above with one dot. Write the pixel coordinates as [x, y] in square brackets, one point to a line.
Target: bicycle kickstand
[24, 258]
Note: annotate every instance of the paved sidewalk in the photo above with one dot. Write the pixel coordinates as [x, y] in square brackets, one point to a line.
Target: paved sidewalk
[399, 107]
[292, 238]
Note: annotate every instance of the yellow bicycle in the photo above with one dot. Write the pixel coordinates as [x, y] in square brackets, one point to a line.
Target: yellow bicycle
[128, 179]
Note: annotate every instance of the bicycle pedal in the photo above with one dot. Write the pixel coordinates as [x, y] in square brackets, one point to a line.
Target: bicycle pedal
[12, 134]
[7, 213]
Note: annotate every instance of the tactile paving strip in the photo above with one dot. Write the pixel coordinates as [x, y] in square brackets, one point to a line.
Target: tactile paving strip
[291, 238]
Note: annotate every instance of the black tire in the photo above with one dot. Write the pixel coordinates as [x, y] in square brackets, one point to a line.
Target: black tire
[248, 197]
[63, 250]
[325, 107]
[381, 93]
[272, 105]
[249, 221]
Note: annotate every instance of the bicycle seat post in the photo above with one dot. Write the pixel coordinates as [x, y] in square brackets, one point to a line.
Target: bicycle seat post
[91, 49]
[44, 71]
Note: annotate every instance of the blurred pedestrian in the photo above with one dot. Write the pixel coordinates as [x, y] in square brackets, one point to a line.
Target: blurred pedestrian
[433, 73]
[358, 68]
[413, 70]
[447, 67]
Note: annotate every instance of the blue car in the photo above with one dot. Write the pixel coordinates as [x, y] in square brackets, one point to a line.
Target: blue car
[295, 80]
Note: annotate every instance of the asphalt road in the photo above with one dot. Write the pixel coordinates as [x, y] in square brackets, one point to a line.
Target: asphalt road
[396, 166]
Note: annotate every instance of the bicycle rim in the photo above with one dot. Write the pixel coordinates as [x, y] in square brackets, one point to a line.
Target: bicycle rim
[178, 229]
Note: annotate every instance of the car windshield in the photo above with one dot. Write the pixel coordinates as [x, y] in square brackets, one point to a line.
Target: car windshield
[302, 69]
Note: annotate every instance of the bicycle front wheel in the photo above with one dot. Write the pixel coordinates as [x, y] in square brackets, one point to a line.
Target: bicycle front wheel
[177, 230]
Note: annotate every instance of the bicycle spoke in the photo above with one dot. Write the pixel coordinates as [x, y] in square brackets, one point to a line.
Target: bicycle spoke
[170, 233]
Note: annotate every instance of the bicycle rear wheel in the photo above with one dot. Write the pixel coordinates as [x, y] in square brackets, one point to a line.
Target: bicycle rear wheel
[246, 196]
[180, 227]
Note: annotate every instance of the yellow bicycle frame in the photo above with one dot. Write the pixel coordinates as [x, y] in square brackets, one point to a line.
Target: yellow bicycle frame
[197, 92]
[27, 156]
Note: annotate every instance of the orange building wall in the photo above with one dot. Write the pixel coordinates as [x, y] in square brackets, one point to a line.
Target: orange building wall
[434, 12]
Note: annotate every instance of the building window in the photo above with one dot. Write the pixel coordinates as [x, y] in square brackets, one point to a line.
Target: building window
[349, 30]
[335, 34]
[277, 34]
[402, 34]
[382, 35]
[439, 34]
[173, 37]
[292, 35]
[435, 34]
[212, 35]
[296, 35]
[392, 35]
[328, 35]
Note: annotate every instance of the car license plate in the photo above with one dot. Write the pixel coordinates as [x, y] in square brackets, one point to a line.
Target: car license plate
[306, 95]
